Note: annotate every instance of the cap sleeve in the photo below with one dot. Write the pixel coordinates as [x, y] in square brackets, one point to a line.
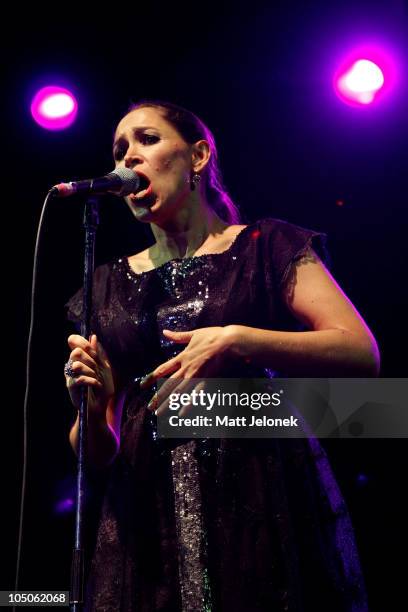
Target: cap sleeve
[74, 306]
[288, 242]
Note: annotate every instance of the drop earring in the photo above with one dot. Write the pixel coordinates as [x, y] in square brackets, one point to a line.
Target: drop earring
[194, 180]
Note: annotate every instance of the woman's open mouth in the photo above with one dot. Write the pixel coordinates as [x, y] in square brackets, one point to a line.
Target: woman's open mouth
[144, 193]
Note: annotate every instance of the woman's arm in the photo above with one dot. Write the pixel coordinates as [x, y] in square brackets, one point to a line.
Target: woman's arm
[339, 342]
[103, 433]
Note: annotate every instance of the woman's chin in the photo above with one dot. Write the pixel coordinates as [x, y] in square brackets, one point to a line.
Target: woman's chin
[143, 211]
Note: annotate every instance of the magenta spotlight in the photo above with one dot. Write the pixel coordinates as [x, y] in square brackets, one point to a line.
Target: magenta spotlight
[54, 108]
[362, 81]
[364, 76]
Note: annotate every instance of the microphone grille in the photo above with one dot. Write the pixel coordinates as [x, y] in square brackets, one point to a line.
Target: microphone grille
[129, 179]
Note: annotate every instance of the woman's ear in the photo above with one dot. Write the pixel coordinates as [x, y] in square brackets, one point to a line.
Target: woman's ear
[200, 155]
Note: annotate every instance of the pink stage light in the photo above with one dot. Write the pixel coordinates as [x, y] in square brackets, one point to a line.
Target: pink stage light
[364, 76]
[362, 81]
[54, 108]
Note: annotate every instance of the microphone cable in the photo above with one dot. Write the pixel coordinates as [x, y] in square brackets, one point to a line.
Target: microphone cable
[49, 196]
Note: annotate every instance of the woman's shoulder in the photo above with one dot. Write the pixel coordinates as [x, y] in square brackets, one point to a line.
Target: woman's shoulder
[280, 225]
[285, 242]
[228, 236]
[284, 233]
[266, 224]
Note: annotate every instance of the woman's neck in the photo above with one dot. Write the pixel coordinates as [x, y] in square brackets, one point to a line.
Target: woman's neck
[186, 235]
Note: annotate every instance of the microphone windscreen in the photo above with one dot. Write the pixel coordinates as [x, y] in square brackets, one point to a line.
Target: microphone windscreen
[130, 180]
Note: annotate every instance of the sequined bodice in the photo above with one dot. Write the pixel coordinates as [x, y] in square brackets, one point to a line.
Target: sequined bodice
[189, 295]
[238, 286]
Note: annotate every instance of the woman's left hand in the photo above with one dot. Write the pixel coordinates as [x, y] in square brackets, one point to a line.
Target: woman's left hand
[207, 351]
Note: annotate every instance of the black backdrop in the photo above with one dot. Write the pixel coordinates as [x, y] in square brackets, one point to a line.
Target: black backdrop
[259, 75]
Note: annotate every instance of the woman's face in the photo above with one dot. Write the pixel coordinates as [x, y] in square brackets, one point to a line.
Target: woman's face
[152, 147]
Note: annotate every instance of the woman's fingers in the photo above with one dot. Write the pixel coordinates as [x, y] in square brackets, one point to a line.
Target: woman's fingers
[89, 366]
[77, 341]
[170, 366]
[181, 392]
[88, 362]
[91, 348]
[180, 337]
[164, 391]
[88, 351]
[98, 348]
[79, 368]
[84, 380]
[79, 355]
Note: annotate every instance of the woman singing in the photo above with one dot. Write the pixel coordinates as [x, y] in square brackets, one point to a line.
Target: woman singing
[221, 524]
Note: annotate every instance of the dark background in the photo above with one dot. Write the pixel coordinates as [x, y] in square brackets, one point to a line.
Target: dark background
[259, 74]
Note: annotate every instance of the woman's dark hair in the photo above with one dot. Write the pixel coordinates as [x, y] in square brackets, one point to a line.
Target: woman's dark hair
[192, 129]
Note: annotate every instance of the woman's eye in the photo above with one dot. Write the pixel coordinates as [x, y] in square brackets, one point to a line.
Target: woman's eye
[148, 139]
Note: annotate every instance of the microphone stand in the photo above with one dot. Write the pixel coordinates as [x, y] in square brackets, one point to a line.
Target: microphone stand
[90, 223]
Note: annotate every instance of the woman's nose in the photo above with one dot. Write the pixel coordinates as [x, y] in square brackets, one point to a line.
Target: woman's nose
[132, 159]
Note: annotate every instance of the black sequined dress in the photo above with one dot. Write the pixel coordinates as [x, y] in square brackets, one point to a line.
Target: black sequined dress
[221, 525]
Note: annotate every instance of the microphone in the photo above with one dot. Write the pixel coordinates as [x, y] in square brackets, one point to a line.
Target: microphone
[121, 182]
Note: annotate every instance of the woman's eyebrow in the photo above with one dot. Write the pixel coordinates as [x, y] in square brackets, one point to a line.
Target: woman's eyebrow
[142, 128]
[135, 130]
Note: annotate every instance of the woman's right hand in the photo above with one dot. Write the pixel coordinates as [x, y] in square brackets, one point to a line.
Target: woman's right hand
[92, 369]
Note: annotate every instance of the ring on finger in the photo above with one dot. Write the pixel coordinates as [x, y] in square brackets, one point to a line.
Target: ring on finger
[68, 371]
